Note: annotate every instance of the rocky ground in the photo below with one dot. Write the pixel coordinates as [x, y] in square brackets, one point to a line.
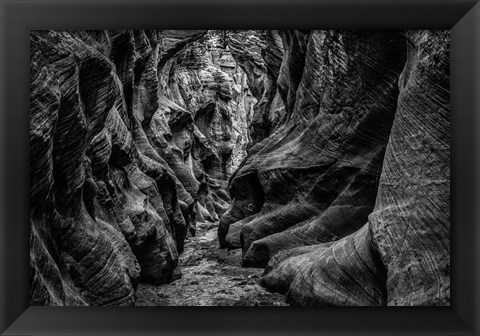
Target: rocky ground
[210, 277]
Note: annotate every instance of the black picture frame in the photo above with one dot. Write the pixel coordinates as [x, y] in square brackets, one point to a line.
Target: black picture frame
[18, 17]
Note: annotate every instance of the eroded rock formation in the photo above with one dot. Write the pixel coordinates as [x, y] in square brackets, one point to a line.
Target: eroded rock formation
[206, 79]
[132, 140]
[347, 201]
[259, 54]
[323, 154]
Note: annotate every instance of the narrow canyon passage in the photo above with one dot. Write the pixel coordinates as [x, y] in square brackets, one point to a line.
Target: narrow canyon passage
[240, 167]
[210, 277]
[225, 106]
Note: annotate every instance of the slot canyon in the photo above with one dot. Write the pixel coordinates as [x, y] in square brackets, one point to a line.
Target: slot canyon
[251, 168]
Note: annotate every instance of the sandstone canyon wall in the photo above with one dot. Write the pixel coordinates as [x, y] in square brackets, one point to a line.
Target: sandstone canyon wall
[347, 202]
[324, 155]
[133, 137]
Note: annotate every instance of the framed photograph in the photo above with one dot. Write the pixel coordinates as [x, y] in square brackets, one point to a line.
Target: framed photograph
[170, 167]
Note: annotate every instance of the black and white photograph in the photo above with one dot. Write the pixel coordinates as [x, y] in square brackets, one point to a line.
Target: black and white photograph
[239, 168]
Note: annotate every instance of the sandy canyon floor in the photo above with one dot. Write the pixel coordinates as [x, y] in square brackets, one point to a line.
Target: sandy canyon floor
[210, 277]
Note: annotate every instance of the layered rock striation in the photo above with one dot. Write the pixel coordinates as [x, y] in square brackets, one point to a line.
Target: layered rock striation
[132, 140]
[324, 155]
[205, 78]
[346, 201]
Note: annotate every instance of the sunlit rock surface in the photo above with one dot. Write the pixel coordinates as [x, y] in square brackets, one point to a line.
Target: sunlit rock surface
[206, 80]
[259, 53]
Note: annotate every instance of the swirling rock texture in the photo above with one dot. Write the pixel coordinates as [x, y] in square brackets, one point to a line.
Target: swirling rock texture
[259, 54]
[123, 159]
[206, 80]
[323, 154]
[347, 201]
